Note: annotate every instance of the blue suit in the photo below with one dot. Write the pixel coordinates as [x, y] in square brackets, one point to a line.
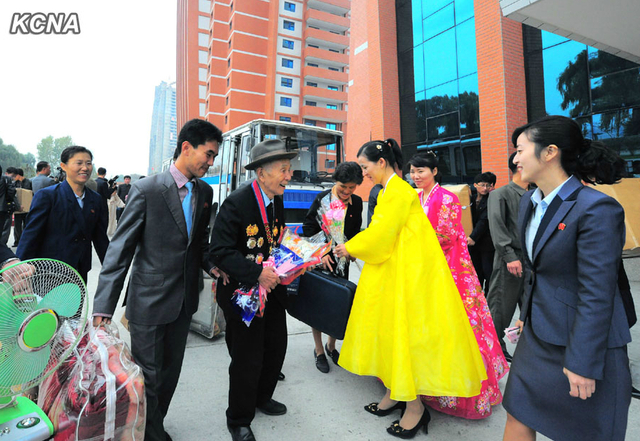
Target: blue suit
[574, 318]
[58, 228]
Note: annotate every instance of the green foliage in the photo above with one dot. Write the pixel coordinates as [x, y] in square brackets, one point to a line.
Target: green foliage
[11, 157]
[50, 149]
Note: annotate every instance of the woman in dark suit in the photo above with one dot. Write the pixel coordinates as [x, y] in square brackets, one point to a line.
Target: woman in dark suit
[348, 176]
[570, 376]
[66, 218]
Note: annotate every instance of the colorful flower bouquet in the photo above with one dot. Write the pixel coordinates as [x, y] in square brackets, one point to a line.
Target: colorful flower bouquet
[331, 215]
[290, 259]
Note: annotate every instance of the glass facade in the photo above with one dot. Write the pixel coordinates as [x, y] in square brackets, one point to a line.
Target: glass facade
[601, 91]
[438, 80]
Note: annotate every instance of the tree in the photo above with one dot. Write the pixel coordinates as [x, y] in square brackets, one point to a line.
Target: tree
[11, 157]
[50, 149]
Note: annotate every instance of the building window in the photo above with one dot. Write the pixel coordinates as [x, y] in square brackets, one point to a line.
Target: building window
[203, 39]
[312, 64]
[332, 126]
[284, 101]
[202, 109]
[231, 6]
[285, 118]
[203, 22]
[230, 24]
[287, 44]
[314, 46]
[226, 119]
[204, 6]
[309, 83]
[335, 69]
[226, 101]
[202, 74]
[202, 92]
[227, 82]
[332, 88]
[286, 62]
[286, 82]
[332, 106]
[288, 6]
[202, 57]
[310, 103]
[228, 62]
[289, 25]
[309, 122]
[334, 50]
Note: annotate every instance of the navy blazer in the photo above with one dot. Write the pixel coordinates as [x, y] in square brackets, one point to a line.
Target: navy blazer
[58, 228]
[571, 290]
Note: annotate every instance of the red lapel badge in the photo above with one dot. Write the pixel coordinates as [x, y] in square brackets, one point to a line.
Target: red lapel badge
[561, 226]
[206, 205]
[93, 211]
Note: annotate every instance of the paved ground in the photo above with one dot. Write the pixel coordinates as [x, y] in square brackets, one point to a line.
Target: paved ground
[322, 406]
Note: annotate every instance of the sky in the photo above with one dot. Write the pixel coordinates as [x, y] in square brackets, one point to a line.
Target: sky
[97, 86]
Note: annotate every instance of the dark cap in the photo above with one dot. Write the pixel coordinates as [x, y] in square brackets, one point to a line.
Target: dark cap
[268, 151]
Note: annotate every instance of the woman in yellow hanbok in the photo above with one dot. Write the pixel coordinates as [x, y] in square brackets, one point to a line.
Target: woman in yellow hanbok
[408, 326]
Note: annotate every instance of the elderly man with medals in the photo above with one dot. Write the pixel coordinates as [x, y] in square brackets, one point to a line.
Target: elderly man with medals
[247, 228]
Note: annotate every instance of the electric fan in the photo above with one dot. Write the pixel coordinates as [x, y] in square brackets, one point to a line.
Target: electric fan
[42, 303]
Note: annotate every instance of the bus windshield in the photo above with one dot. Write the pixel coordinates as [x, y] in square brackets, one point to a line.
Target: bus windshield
[318, 150]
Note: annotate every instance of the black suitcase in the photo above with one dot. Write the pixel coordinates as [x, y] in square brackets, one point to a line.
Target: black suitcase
[323, 302]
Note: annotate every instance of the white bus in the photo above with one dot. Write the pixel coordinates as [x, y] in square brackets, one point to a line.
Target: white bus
[319, 152]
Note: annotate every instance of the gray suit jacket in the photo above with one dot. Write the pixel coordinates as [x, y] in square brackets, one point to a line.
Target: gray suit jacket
[166, 263]
[40, 182]
[571, 288]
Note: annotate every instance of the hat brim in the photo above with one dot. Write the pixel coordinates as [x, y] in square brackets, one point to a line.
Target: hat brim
[270, 157]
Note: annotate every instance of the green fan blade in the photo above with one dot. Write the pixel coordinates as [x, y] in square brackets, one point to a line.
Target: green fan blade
[19, 367]
[64, 299]
[10, 316]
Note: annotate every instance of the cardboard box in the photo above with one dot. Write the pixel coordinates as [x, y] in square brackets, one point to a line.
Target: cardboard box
[24, 197]
[626, 192]
[464, 195]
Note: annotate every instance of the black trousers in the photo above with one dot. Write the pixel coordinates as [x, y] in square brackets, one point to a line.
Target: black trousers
[257, 354]
[159, 351]
[482, 258]
[19, 220]
[5, 219]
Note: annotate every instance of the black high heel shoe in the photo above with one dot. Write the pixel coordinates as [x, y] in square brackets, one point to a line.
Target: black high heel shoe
[396, 430]
[374, 409]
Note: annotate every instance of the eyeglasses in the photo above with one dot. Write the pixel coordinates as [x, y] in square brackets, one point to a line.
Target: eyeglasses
[484, 185]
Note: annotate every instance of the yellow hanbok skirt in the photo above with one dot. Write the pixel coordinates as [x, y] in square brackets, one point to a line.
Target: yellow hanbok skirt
[408, 325]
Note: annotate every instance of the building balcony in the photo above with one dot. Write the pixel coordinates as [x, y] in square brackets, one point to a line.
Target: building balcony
[323, 114]
[337, 7]
[321, 93]
[316, 74]
[319, 37]
[323, 56]
[324, 20]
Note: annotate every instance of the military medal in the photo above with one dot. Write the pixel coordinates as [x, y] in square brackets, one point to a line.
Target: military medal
[251, 257]
[260, 242]
[271, 237]
[252, 230]
[259, 258]
[251, 243]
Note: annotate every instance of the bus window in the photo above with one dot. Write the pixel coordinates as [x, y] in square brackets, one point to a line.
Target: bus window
[244, 158]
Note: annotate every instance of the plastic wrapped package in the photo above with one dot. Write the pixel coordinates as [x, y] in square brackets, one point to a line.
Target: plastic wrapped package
[103, 397]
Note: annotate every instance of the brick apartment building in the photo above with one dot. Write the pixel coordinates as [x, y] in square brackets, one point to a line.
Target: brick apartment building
[240, 60]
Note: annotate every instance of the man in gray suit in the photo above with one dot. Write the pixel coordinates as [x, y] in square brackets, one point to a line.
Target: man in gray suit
[166, 227]
[42, 180]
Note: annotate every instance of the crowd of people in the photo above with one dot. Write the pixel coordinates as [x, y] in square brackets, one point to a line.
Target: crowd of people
[432, 302]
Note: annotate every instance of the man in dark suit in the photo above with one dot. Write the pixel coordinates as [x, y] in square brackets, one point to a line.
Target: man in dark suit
[165, 226]
[246, 229]
[479, 241]
[20, 217]
[65, 219]
[123, 193]
[103, 184]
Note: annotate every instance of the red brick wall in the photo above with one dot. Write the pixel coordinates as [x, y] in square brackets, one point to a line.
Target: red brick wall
[501, 82]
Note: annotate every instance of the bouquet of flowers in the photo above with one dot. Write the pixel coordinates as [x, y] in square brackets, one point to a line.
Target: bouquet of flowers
[290, 259]
[331, 215]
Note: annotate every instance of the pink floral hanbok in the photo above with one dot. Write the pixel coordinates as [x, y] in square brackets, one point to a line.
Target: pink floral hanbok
[444, 211]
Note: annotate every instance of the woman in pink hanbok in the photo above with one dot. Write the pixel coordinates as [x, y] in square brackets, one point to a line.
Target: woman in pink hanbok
[443, 210]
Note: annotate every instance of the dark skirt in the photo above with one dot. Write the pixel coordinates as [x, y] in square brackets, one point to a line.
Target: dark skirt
[537, 394]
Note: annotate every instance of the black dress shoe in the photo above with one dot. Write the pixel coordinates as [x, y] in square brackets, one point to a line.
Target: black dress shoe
[272, 407]
[321, 362]
[335, 355]
[280, 376]
[241, 433]
[374, 409]
[400, 432]
[635, 393]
